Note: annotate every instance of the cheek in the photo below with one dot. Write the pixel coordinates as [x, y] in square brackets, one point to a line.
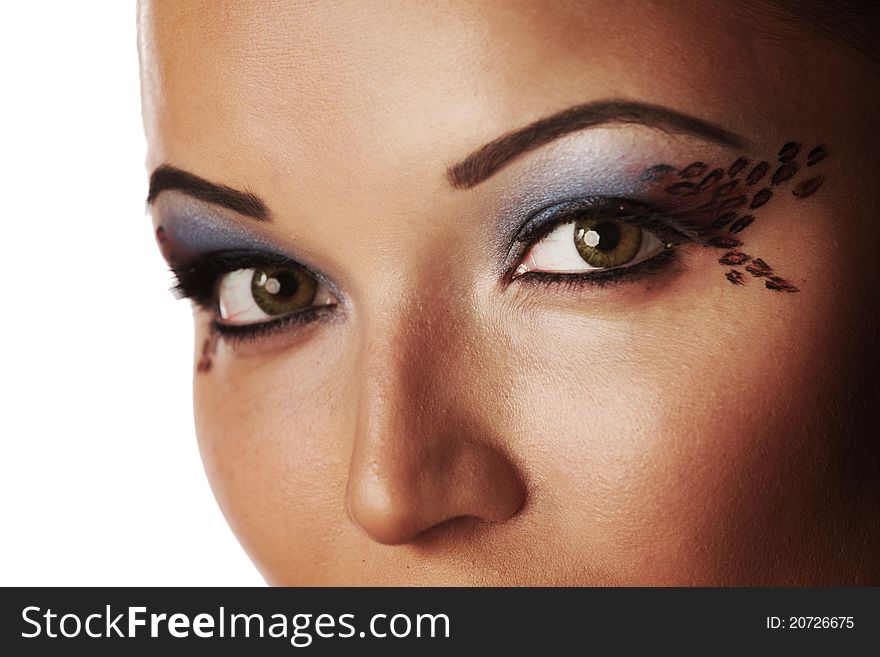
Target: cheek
[269, 439]
[671, 440]
[745, 436]
[599, 453]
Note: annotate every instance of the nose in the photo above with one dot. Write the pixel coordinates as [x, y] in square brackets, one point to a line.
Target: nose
[425, 451]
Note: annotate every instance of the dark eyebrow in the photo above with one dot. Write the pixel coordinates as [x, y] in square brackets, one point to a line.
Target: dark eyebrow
[497, 154]
[243, 202]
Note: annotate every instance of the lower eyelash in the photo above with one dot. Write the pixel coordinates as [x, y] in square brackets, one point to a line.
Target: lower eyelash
[238, 333]
[602, 278]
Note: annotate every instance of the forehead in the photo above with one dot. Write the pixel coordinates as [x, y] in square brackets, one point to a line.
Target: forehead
[329, 85]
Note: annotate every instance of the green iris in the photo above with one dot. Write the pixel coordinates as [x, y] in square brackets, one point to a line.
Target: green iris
[606, 243]
[283, 289]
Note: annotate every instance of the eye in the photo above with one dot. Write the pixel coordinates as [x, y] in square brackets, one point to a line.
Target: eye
[590, 244]
[257, 294]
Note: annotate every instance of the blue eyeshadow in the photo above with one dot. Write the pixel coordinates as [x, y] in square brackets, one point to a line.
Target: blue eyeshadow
[187, 228]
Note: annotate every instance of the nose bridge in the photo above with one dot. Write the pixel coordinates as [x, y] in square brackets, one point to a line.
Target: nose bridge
[403, 412]
[409, 356]
[423, 453]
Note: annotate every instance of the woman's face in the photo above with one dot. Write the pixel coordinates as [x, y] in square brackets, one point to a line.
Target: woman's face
[558, 363]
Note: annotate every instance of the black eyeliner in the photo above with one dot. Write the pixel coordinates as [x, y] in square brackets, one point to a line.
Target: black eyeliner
[197, 278]
[239, 333]
[602, 278]
[641, 214]
[638, 213]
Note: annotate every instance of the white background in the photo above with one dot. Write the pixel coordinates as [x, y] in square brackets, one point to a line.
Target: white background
[100, 477]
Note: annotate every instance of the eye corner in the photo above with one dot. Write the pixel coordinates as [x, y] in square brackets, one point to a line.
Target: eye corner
[237, 334]
[609, 279]
[260, 301]
[566, 241]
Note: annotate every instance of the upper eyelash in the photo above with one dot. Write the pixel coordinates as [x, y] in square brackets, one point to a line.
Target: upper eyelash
[197, 279]
[643, 215]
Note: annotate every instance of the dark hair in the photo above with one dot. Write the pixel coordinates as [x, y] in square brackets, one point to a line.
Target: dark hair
[855, 23]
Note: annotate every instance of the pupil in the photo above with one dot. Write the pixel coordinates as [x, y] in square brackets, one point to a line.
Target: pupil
[607, 235]
[282, 284]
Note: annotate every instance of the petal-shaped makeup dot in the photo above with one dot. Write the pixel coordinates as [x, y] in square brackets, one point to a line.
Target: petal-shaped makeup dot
[808, 187]
[759, 268]
[778, 284]
[735, 277]
[761, 198]
[727, 187]
[724, 242]
[723, 220]
[758, 172]
[683, 189]
[789, 151]
[712, 178]
[816, 155]
[657, 172]
[732, 203]
[693, 170]
[734, 258]
[742, 223]
[165, 246]
[738, 165]
[784, 172]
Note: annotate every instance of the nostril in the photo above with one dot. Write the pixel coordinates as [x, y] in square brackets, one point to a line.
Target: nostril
[460, 529]
[398, 510]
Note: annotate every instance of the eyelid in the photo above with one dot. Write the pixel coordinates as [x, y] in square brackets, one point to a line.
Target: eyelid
[193, 232]
[639, 213]
[197, 277]
[565, 259]
[196, 227]
[235, 312]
